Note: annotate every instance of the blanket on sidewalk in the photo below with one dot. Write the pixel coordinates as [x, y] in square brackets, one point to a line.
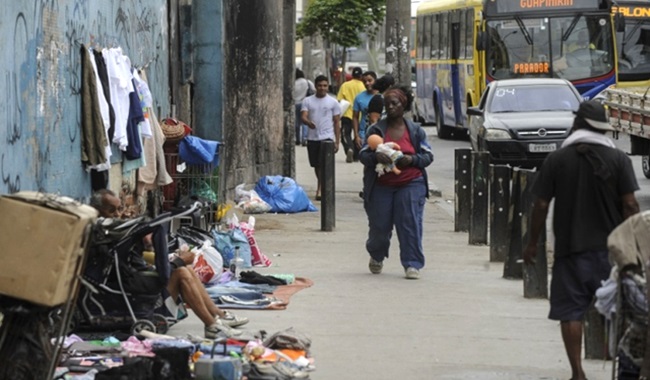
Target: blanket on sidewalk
[238, 298]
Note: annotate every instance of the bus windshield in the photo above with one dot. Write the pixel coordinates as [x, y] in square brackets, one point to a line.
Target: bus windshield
[570, 47]
[633, 47]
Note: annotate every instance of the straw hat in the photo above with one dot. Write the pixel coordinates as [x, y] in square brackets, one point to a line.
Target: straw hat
[174, 130]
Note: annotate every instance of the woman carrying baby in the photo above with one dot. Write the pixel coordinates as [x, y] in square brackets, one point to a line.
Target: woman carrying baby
[396, 199]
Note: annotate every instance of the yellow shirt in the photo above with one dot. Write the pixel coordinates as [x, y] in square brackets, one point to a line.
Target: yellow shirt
[348, 91]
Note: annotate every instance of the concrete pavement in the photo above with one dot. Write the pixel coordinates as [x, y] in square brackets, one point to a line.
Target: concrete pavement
[461, 320]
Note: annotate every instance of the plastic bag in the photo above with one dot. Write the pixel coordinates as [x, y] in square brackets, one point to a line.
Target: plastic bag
[227, 240]
[208, 264]
[257, 257]
[250, 201]
[283, 194]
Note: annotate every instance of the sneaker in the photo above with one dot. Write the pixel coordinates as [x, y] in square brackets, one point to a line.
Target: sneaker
[375, 266]
[212, 331]
[232, 320]
[349, 156]
[412, 273]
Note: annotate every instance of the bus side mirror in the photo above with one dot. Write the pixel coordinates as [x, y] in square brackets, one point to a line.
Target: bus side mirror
[619, 22]
[481, 41]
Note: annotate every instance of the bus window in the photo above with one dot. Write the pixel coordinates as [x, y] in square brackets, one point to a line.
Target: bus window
[469, 29]
[444, 36]
[435, 37]
[419, 27]
[426, 37]
[462, 54]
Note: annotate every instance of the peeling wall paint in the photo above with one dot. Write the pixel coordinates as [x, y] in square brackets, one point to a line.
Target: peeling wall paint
[40, 63]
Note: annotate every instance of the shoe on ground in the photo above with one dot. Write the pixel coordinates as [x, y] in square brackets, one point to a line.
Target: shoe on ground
[349, 156]
[219, 329]
[375, 266]
[232, 320]
[412, 273]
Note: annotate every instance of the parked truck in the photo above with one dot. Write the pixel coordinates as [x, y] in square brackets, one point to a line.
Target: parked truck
[629, 113]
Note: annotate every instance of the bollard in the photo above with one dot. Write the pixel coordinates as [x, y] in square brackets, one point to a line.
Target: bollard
[327, 203]
[478, 221]
[512, 265]
[535, 276]
[595, 335]
[462, 189]
[499, 211]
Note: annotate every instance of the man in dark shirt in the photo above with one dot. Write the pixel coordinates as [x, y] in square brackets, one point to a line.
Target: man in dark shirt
[593, 185]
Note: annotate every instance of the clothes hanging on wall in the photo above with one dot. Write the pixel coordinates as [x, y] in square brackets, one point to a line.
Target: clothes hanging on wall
[93, 136]
[155, 172]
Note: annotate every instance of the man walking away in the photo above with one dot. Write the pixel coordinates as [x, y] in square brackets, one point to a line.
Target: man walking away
[348, 91]
[593, 185]
[321, 113]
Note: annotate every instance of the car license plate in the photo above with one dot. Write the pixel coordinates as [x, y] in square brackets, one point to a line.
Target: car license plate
[542, 148]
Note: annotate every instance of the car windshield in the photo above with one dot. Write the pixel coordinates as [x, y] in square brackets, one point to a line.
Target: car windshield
[533, 98]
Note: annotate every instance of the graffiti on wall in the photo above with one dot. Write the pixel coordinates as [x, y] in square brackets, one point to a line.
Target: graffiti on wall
[41, 72]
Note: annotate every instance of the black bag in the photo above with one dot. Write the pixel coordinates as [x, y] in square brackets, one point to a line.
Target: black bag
[310, 90]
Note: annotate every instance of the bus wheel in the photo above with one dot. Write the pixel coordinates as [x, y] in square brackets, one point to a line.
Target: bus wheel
[444, 132]
[645, 166]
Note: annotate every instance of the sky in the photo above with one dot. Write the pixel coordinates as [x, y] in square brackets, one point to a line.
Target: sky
[414, 6]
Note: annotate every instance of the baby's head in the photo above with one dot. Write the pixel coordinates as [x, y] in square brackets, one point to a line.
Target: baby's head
[374, 141]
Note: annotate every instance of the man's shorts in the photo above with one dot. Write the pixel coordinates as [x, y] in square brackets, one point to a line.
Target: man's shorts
[576, 277]
[313, 152]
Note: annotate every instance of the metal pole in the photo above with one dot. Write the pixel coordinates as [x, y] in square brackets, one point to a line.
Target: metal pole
[535, 276]
[499, 209]
[512, 266]
[328, 206]
[462, 189]
[478, 221]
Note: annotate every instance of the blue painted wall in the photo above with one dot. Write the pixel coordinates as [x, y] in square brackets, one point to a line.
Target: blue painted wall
[40, 74]
[207, 103]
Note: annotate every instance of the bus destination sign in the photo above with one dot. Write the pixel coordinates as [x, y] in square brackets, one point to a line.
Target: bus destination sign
[531, 68]
[628, 11]
[519, 6]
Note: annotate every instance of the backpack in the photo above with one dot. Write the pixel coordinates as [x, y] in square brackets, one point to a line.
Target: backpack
[310, 89]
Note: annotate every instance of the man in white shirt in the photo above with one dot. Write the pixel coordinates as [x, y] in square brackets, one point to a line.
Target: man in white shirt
[322, 114]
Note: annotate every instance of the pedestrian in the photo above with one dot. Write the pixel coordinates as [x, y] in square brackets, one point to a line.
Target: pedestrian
[360, 112]
[348, 91]
[376, 105]
[396, 200]
[183, 281]
[322, 114]
[593, 186]
[302, 88]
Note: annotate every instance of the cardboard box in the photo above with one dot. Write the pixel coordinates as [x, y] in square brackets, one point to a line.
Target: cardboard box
[43, 239]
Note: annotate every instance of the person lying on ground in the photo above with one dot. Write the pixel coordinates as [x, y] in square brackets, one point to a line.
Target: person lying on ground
[183, 281]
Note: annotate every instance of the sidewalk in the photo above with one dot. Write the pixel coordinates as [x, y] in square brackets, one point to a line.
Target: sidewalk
[461, 320]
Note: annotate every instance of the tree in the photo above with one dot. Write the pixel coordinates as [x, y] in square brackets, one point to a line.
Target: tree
[341, 22]
[398, 32]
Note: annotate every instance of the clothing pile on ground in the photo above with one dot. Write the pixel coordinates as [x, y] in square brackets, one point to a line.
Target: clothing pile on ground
[256, 355]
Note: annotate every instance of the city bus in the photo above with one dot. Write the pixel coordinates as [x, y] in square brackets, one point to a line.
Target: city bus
[464, 44]
[633, 42]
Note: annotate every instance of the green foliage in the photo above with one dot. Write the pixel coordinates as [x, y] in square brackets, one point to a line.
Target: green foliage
[341, 21]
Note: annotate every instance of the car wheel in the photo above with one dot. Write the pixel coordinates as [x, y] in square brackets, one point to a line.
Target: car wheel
[444, 132]
[645, 166]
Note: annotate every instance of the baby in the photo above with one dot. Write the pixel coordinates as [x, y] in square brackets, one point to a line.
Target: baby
[391, 149]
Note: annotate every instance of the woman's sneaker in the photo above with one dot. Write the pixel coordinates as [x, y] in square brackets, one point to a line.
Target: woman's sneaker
[212, 331]
[232, 320]
[375, 266]
[412, 273]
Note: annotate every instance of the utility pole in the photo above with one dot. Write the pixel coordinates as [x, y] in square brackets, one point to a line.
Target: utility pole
[398, 32]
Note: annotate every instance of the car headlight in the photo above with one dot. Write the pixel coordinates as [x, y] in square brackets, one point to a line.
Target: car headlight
[496, 134]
